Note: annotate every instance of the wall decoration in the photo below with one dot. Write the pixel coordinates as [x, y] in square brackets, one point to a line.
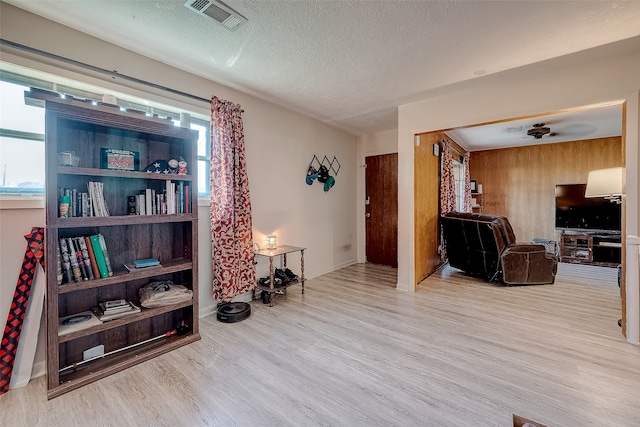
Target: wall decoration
[113, 158]
[322, 171]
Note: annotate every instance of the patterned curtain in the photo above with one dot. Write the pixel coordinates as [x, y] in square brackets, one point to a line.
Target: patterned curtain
[230, 215]
[467, 183]
[447, 190]
[447, 180]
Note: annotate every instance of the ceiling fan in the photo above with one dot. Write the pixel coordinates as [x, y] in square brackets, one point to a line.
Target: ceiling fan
[539, 130]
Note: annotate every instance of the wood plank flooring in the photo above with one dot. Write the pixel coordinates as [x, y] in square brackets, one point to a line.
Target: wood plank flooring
[353, 351]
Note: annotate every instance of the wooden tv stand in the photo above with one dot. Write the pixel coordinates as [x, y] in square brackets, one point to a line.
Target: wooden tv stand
[594, 248]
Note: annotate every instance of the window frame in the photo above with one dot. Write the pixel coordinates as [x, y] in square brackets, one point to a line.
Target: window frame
[30, 194]
[459, 166]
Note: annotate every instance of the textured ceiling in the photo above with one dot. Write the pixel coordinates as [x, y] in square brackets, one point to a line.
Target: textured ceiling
[349, 63]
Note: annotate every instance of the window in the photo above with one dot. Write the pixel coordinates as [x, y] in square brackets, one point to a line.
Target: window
[22, 132]
[202, 126]
[204, 151]
[21, 142]
[458, 175]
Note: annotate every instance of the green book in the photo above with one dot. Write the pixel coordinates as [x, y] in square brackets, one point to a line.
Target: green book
[105, 254]
[97, 251]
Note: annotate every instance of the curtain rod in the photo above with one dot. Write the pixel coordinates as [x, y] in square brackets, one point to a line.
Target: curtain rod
[111, 73]
[453, 147]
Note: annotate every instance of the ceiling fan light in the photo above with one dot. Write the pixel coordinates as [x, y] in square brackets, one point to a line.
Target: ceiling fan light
[538, 130]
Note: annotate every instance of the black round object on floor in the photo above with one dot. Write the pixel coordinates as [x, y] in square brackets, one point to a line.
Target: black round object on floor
[232, 312]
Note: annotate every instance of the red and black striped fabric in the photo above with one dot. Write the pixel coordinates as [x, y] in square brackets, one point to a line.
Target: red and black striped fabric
[9, 345]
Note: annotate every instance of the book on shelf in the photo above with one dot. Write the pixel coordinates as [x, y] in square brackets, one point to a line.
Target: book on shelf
[77, 322]
[97, 251]
[96, 192]
[86, 204]
[83, 258]
[78, 202]
[147, 262]
[73, 258]
[107, 261]
[187, 199]
[131, 266]
[105, 316]
[65, 262]
[131, 206]
[108, 307]
[73, 243]
[58, 266]
[92, 256]
[172, 199]
[82, 245]
[148, 200]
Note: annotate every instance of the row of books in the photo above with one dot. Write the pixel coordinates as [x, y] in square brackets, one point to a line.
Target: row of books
[174, 199]
[84, 258]
[86, 204]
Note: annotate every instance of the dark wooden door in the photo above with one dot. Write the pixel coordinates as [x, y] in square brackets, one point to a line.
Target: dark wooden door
[382, 209]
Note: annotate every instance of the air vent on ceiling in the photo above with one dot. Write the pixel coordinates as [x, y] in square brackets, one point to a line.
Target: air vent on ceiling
[218, 11]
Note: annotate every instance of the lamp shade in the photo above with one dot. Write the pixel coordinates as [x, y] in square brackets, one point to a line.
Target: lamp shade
[604, 183]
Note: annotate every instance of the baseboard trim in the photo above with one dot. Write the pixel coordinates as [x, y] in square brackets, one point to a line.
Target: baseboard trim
[39, 369]
[315, 274]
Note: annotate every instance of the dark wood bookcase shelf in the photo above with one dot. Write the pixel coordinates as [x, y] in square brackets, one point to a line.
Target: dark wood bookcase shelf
[106, 326]
[122, 275]
[118, 220]
[69, 170]
[84, 129]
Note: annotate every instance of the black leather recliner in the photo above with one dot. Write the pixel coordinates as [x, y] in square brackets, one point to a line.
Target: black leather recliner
[485, 246]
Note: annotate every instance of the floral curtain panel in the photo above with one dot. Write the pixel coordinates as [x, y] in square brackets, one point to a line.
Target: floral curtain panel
[447, 180]
[467, 183]
[447, 189]
[230, 214]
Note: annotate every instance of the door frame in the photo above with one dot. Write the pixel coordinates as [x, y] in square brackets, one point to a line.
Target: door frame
[380, 161]
[360, 211]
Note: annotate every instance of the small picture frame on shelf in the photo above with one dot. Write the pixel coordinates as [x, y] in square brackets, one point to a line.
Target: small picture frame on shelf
[118, 159]
[474, 186]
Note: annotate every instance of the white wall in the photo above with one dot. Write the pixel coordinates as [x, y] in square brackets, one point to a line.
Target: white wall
[279, 146]
[372, 144]
[14, 224]
[610, 73]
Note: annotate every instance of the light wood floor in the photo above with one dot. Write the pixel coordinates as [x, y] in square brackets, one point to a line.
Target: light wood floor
[353, 351]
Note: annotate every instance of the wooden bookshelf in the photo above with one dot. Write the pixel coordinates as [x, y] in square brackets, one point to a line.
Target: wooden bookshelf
[82, 128]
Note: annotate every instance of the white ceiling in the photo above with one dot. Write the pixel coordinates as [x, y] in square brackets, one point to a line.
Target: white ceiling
[588, 123]
[349, 63]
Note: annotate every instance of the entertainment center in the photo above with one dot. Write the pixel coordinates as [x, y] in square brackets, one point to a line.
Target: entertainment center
[595, 249]
[590, 227]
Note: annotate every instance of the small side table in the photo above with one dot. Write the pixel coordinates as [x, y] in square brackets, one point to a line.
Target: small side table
[281, 251]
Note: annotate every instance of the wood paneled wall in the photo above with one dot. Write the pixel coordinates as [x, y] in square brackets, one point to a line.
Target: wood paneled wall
[426, 199]
[519, 183]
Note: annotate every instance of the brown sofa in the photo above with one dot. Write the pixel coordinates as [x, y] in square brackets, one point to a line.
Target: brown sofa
[485, 246]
